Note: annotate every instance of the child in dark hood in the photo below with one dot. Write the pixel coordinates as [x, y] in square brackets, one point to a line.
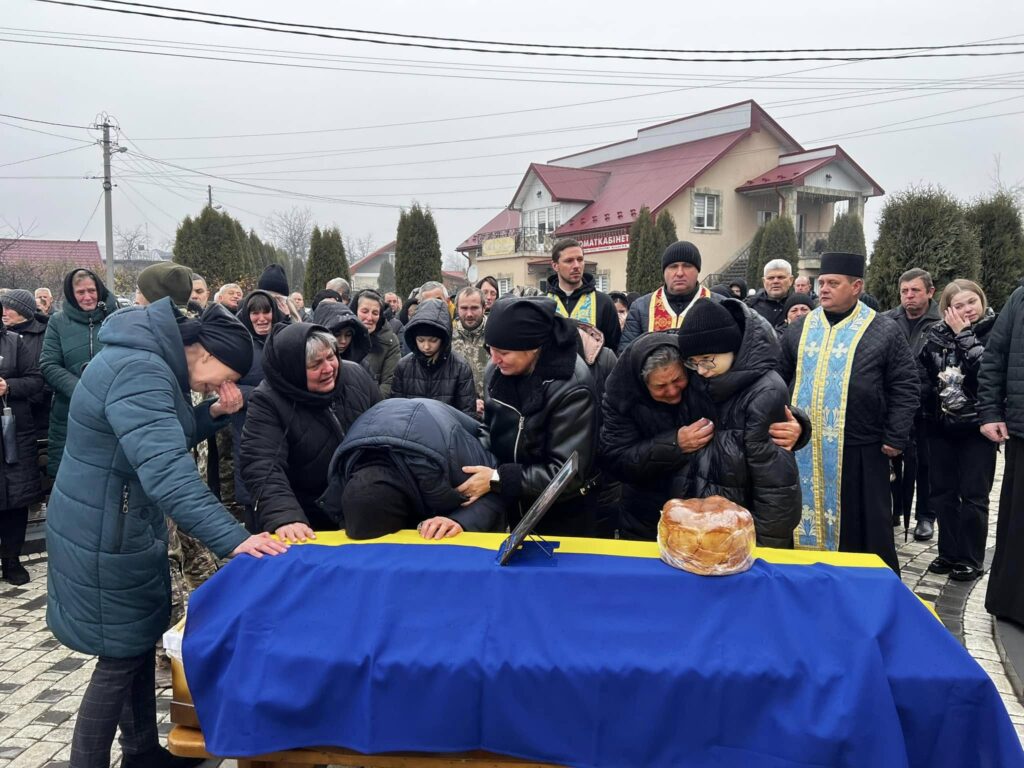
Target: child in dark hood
[432, 370]
[735, 353]
[352, 337]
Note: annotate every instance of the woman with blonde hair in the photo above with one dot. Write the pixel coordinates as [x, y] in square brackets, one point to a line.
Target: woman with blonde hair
[962, 460]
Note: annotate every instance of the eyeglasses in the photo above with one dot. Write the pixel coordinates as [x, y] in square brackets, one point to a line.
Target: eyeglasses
[707, 364]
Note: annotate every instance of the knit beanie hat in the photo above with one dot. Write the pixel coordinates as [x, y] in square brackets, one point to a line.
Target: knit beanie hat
[681, 251]
[21, 301]
[795, 299]
[708, 329]
[166, 279]
[274, 280]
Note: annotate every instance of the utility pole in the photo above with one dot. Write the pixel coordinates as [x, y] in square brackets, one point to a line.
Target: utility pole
[209, 195]
[107, 205]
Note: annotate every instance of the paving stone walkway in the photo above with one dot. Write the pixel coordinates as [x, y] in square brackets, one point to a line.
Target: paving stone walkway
[42, 683]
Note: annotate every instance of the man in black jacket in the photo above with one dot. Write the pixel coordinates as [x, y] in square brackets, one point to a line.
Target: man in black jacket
[576, 295]
[865, 405]
[398, 467]
[916, 314]
[770, 301]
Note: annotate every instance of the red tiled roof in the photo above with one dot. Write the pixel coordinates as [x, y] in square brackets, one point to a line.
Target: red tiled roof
[651, 178]
[791, 173]
[580, 185]
[77, 253]
[389, 248]
[505, 222]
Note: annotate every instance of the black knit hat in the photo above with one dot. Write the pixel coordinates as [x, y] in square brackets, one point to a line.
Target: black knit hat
[795, 299]
[708, 329]
[274, 280]
[838, 263]
[520, 323]
[681, 251]
[21, 301]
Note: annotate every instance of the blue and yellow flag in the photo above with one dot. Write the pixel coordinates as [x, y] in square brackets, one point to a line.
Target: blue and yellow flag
[601, 655]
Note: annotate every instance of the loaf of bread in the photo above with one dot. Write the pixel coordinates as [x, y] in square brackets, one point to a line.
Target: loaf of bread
[710, 537]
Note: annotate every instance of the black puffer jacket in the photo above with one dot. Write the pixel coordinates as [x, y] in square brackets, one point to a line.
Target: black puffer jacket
[884, 389]
[429, 443]
[1001, 379]
[385, 349]
[336, 317]
[447, 378]
[536, 421]
[290, 433]
[20, 482]
[638, 436]
[943, 349]
[741, 462]
[772, 310]
[32, 332]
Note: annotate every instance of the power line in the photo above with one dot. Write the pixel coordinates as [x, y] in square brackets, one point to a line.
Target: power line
[545, 45]
[45, 133]
[45, 122]
[40, 157]
[546, 53]
[89, 220]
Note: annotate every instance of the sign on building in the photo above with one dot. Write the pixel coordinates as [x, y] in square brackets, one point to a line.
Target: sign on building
[617, 240]
[499, 246]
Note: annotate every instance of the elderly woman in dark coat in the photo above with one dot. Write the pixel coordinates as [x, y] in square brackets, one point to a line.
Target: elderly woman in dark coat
[20, 315]
[126, 466]
[20, 383]
[296, 419]
[539, 408]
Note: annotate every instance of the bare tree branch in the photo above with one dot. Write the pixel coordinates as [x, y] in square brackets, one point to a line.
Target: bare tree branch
[358, 248]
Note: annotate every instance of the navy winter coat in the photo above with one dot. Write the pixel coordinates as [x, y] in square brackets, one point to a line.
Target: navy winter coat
[126, 466]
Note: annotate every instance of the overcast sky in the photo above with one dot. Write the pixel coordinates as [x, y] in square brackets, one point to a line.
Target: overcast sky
[367, 120]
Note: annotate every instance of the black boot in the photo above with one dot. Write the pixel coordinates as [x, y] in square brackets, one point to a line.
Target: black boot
[13, 571]
[158, 757]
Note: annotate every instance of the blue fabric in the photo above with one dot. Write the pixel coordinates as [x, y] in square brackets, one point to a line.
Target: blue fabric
[584, 660]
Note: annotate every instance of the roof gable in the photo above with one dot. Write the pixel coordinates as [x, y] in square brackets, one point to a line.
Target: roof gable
[505, 223]
[384, 250]
[580, 185]
[84, 253]
[795, 168]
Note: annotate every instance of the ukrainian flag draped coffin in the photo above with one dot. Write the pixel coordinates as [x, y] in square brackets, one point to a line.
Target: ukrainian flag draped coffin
[583, 660]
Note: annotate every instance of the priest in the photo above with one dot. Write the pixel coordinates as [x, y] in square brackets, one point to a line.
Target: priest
[851, 369]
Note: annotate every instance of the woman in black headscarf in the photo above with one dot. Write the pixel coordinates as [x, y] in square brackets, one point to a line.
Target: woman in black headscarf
[296, 419]
[539, 407]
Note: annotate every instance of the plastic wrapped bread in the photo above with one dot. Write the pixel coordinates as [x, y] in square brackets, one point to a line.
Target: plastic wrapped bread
[710, 537]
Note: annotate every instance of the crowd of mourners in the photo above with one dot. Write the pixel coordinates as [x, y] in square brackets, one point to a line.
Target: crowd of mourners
[197, 425]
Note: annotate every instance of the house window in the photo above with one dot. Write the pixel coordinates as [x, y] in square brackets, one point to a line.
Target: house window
[763, 217]
[705, 211]
[504, 285]
[602, 281]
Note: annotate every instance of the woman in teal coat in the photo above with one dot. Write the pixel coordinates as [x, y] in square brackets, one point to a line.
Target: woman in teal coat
[126, 465]
[71, 341]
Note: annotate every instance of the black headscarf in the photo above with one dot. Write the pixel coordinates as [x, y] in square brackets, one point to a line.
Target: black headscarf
[284, 363]
[326, 293]
[101, 290]
[276, 315]
[222, 335]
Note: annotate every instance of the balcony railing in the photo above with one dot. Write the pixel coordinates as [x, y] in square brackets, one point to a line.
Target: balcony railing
[811, 244]
[534, 240]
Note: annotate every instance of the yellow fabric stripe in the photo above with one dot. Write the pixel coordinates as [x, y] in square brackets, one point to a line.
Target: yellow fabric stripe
[612, 547]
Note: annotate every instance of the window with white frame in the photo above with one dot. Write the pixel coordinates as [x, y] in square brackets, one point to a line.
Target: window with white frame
[763, 217]
[504, 285]
[603, 281]
[705, 211]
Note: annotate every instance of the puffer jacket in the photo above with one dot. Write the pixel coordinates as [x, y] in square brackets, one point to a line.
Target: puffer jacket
[772, 310]
[429, 443]
[20, 483]
[290, 433]
[470, 344]
[884, 390]
[943, 349]
[126, 466]
[71, 341]
[385, 349]
[638, 436]
[535, 422]
[1001, 378]
[335, 317]
[741, 462]
[447, 378]
[32, 332]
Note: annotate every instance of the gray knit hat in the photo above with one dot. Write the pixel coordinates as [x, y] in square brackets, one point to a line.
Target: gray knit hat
[21, 301]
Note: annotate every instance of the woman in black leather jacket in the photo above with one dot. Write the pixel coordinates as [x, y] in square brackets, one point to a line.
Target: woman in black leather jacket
[539, 407]
[963, 461]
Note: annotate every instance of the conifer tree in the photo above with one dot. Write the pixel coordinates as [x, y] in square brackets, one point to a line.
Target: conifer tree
[326, 260]
[923, 228]
[778, 241]
[754, 265]
[847, 235]
[386, 280]
[643, 260]
[417, 250]
[666, 230]
[997, 221]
